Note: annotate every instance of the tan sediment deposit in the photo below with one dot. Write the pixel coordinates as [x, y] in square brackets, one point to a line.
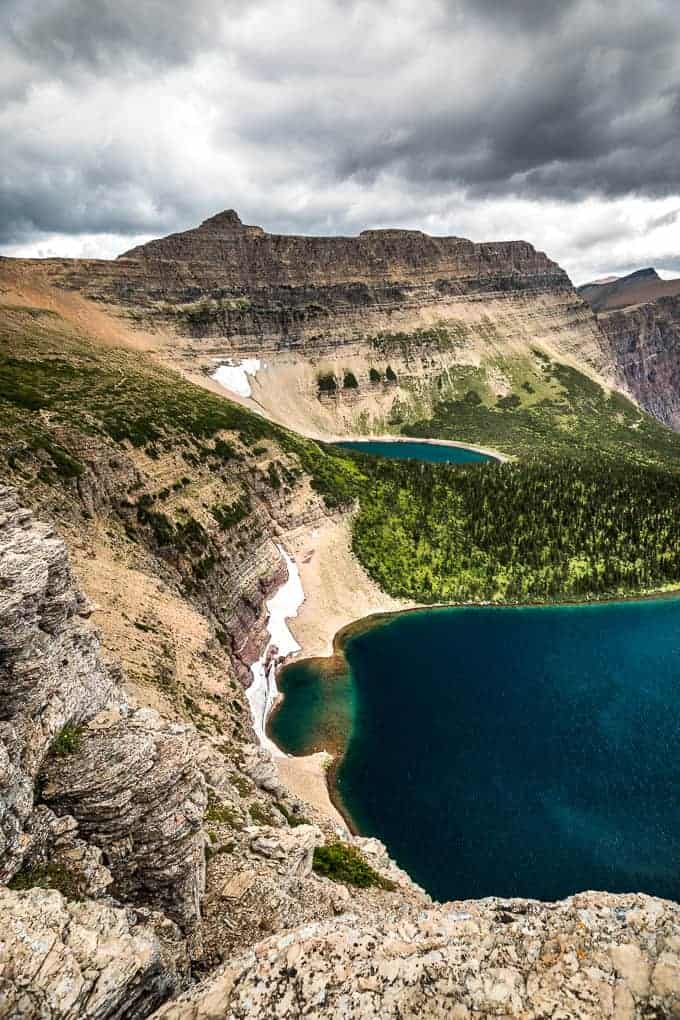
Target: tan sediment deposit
[306, 777]
[337, 588]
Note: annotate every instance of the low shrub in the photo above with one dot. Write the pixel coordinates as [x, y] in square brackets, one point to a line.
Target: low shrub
[343, 863]
[68, 741]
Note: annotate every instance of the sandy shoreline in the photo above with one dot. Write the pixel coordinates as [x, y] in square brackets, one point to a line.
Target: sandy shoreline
[337, 591]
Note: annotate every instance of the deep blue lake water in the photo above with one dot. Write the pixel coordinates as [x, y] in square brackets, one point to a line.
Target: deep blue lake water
[433, 452]
[516, 752]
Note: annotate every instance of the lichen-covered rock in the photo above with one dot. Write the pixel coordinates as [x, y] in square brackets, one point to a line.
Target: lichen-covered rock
[136, 793]
[62, 960]
[51, 671]
[56, 842]
[591, 957]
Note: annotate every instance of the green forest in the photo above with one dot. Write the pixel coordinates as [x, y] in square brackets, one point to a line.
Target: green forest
[528, 531]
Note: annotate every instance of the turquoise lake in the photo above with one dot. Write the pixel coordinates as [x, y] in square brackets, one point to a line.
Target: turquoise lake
[435, 453]
[515, 752]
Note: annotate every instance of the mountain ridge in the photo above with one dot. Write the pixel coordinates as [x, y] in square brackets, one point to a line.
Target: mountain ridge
[638, 287]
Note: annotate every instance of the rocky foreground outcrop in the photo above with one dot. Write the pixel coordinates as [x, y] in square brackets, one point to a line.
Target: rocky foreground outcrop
[62, 960]
[592, 956]
[134, 789]
[51, 671]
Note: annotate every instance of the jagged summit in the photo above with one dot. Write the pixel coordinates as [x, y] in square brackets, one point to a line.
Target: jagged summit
[228, 219]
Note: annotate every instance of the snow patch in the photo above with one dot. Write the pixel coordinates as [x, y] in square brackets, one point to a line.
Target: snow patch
[262, 692]
[234, 377]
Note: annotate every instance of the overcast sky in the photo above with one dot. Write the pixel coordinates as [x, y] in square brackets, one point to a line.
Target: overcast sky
[555, 121]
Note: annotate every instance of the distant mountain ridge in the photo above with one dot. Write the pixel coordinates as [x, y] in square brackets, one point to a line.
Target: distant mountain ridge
[442, 314]
[224, 251]
[621, 291]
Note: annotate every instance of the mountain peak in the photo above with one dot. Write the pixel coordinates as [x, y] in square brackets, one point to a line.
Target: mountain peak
[228, 219]
[643, 274]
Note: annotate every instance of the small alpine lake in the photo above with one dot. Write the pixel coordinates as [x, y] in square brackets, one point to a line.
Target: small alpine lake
[505, 751]
[434, 453]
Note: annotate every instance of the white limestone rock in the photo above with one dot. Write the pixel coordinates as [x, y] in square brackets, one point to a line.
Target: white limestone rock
[61, 960]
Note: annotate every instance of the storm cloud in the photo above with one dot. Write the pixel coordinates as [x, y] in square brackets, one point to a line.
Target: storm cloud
[555, 121]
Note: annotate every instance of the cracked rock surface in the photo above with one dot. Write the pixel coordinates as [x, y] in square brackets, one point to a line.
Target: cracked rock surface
[590, 957]
[135, 791]
[75, 961]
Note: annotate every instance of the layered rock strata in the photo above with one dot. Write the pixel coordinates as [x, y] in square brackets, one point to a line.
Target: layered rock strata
[644, 341]
[51, 671]
[114, 779]
[135, 791]
[427, 308]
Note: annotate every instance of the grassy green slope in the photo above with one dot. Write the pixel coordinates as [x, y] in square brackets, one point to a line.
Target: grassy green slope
[58, 386]
[551, 410]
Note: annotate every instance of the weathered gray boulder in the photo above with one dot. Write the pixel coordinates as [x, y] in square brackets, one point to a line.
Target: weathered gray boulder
[290, 850]
[61, 960]
[135, 792]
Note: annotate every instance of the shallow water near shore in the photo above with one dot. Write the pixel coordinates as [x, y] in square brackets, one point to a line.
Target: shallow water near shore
[434, 453]
[515, 752]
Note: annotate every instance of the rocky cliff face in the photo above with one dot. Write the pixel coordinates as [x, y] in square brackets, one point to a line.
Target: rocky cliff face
[645, 347]
[351, 308]
[424, 307]
[51, 672]
[224, 252]
[122, 778]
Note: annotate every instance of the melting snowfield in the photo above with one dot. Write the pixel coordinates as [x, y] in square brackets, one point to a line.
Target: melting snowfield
[235, 377]
[262, 692]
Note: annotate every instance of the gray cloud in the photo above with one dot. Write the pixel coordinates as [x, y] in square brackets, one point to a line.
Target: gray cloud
[143, 117]
[667, 220]
[63, 35]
